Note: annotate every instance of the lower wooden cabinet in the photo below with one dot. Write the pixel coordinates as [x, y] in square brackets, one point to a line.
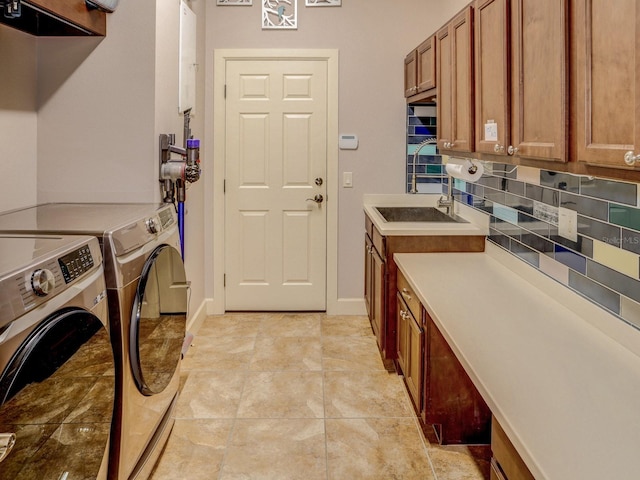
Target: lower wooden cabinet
[442, 393]
[381, 272]
[410, 350]
[506, 464]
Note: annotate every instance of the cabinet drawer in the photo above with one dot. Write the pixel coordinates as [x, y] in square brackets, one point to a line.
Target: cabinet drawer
[409, 296]
[506, 456]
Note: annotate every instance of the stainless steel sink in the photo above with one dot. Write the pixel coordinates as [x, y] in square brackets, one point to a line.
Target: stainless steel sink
[417, 214]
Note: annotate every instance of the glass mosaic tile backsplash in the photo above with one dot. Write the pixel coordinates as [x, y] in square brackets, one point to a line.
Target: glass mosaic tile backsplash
[524, 204]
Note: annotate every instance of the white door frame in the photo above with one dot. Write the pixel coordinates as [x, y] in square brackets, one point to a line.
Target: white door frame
[217, 132]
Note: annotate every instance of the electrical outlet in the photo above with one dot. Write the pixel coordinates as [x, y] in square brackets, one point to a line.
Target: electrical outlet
[568, 224]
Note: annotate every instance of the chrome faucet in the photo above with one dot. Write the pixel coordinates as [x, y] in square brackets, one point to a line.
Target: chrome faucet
[421, 145]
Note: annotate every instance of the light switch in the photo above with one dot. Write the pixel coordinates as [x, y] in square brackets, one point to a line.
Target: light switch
[347, 179]
[568, 224]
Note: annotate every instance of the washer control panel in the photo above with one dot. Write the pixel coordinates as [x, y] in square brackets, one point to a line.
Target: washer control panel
[41, 268]
[76, 263]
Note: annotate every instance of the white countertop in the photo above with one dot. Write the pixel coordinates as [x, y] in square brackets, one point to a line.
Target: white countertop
[478, 222]
[561, 375]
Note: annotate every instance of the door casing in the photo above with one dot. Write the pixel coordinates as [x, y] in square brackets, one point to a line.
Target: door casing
[214, 228]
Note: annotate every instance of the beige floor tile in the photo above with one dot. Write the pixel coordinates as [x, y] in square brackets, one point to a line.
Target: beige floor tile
[376, 448]
[195, 450]
[211, 394]
[352, 353]
[276, 450]
[230, 325]
[219, 353]
[291, 325]
[365, 395]
[282, 395]
[346, 325]
[287, 353]
[457, 463]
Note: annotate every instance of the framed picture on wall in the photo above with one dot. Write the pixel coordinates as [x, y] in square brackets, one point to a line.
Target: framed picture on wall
[279, 14]
[234, 2]
[323, 3]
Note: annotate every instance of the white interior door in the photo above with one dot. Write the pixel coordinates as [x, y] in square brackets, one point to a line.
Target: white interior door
[275, 164]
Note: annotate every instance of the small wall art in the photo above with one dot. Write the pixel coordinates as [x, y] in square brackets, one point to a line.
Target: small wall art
[323, 3]
[282, 14]
[234, 2]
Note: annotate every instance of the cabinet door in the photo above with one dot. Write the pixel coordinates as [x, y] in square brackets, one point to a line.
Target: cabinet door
[426, 62]
[492, 92]
[606, 48]
[403, 317]
[368, 273]
[539, 78]
[444, 109]
[415, 361]
[454, 71]
[378, 297]
[411, 74]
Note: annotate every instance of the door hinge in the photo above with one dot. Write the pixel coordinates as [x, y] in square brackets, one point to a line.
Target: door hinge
[224, 280]
[224, 186]
[225, 91]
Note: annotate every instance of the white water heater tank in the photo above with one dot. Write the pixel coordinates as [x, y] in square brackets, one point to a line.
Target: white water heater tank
[106, 5]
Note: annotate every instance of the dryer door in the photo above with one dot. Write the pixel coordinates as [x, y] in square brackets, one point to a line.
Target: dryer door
[57, 398]
[158, 320]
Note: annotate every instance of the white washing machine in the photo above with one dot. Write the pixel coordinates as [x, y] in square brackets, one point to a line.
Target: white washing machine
[148, 297]
[57, 369]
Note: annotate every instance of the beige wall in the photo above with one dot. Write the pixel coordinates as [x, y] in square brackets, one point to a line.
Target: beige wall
[93, 108]
[373, 37]
[18, 119]
[80, 117]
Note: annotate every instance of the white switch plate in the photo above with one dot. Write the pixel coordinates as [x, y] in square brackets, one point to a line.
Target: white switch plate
[568, 224]
[347, 179]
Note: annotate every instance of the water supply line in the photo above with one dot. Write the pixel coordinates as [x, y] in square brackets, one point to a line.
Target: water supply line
[177, 173]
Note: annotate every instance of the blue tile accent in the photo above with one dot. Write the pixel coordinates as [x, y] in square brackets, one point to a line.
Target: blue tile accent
[571, 259]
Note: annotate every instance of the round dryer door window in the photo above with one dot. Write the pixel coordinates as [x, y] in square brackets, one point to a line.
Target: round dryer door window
[158, 320]
[56, 400]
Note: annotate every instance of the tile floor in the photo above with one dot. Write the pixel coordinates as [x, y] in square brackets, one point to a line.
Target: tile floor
[298, 396]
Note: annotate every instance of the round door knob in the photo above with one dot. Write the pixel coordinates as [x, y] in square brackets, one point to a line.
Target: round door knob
[42, 282]
[512, 150]
[498, 148]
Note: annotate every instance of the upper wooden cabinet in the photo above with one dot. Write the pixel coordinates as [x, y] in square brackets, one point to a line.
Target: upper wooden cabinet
[411, 74]
[606, 46]
[58, 18]
[521, 78]
[454, 74]
[420, 71]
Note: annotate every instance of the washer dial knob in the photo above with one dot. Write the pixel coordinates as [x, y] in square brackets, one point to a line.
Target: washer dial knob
[42, 282]
[152, 225]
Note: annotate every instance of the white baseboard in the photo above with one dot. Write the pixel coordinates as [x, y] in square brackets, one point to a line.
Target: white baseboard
[348, 306]
[342, 306]
[195, 321]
